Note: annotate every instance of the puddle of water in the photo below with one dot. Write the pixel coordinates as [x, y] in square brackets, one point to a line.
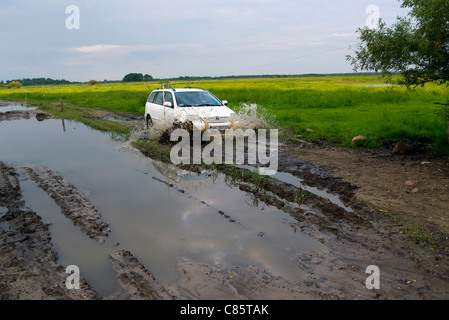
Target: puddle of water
[14, 107]
[297, 182]
[209, 222]
[252, 234]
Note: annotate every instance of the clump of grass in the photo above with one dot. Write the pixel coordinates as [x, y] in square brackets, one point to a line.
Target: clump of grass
[419, 234]
[299, 196]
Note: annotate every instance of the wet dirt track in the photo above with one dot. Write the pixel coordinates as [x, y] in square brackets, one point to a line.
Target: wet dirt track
[351, 241]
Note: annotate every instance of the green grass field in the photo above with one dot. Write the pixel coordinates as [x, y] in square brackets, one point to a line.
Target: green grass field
[333, 108]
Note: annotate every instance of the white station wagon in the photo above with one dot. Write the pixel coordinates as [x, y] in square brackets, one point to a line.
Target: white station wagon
[177, 105]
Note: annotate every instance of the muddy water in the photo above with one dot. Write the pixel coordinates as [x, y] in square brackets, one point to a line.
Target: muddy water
[198, 217]
[299, 183]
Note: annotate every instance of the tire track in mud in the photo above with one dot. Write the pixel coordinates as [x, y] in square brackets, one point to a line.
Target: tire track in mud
[136, 281]
[73, 202]
[29, 267]
[28, 263]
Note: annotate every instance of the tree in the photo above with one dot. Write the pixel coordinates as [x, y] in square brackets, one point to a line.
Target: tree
[14, 84]
[147, 77]
[416, 46]
[133, 77]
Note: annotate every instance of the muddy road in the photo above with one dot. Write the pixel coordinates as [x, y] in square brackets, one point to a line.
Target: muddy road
[143, 229]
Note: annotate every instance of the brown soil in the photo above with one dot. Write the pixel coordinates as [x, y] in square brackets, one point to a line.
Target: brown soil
[411, 190]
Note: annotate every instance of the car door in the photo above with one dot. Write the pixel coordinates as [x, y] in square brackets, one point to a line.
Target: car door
[169, 111]
[156, 108]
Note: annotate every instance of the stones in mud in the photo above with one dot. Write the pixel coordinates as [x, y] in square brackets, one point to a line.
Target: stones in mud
[411, 183]
[400, 148]
[357, 140]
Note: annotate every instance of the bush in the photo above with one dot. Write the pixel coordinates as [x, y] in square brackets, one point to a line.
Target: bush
[14, 84]
[93, 82]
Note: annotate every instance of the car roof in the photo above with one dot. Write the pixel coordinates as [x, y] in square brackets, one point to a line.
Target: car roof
[180, 89]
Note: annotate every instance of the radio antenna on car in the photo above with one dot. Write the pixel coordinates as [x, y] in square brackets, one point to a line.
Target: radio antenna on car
[163, 98]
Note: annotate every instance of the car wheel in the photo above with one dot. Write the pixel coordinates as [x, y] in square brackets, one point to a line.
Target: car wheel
[149, 121]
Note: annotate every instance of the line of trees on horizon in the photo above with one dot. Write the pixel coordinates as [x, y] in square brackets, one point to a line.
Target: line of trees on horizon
[37, 81]
[138, 77]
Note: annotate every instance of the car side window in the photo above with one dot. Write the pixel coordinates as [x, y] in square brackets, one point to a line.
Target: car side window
[169, 98]
[158, 98]
[151, 98]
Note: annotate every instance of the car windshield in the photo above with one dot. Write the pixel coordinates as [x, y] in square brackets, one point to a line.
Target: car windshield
[197, 99]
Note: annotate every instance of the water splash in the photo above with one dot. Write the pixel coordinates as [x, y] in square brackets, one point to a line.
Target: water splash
[248, 116]
[153, 133]
[252, 116]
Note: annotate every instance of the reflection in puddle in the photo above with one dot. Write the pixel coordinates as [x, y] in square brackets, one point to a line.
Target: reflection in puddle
[14, 107]
[194, 216]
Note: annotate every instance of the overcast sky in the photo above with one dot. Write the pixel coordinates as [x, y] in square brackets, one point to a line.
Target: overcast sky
[174, 38]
